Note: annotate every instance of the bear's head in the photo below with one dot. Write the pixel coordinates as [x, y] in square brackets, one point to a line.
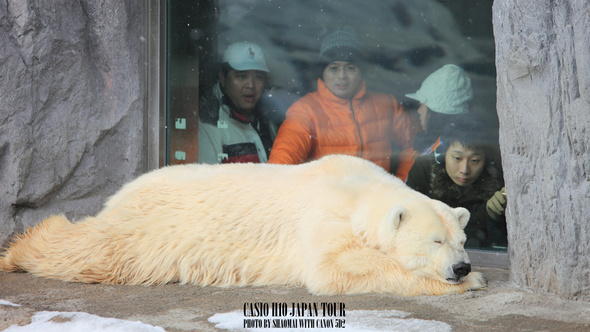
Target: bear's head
[426, 237]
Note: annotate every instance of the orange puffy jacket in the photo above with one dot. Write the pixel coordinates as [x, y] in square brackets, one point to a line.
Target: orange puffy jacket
[320, 124]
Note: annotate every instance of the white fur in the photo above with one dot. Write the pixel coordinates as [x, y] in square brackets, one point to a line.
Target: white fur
[337, 225]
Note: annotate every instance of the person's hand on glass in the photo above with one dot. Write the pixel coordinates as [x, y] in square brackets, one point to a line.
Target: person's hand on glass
[496, 205]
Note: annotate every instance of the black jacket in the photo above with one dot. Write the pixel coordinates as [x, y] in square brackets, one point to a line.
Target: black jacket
[430, 178]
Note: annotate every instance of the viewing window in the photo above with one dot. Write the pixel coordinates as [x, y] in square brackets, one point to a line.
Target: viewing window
[403, 42]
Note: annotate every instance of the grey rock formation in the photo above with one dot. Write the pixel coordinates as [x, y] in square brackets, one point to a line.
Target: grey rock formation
[542, 56]
[71, 116]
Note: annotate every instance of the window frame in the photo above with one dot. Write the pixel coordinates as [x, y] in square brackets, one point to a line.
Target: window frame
[156, 113]
[155, 140]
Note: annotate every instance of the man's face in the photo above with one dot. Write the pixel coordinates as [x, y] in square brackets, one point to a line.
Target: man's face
[464, 165]
[244, 88]
[342, 78]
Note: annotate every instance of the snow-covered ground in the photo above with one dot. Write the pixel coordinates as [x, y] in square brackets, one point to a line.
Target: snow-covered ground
[355, 320]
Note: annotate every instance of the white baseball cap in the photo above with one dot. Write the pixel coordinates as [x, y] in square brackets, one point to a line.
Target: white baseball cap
[245, 56]
[446, 91]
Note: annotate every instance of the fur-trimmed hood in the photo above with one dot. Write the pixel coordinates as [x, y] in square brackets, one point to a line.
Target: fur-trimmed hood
[444, 189]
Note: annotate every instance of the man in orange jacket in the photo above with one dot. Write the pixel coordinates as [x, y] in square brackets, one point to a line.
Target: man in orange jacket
[342, 117]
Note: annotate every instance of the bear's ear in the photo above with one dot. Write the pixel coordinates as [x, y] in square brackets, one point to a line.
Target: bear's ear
[463, 216]
[391, 222]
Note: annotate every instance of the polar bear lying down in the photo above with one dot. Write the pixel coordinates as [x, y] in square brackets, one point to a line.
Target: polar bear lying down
[337, 225]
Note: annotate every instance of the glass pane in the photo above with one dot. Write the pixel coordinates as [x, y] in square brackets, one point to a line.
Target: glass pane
[191, 49]
[403, 44]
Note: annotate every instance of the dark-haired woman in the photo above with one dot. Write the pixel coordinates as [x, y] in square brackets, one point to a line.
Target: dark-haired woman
[464, 172]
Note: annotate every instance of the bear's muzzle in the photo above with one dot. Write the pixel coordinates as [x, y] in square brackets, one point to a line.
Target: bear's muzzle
[461, 270]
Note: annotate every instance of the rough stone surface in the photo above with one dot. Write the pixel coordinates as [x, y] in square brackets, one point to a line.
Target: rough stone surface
[71, 116]
[543, 62]
[177, 308]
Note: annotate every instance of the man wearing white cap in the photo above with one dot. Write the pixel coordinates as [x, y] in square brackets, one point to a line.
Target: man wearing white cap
[231, 129]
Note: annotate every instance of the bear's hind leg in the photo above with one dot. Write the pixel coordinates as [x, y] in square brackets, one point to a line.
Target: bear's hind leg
[27, 250]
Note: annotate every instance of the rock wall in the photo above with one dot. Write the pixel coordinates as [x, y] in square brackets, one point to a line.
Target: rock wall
[543, 65]
[71, 116]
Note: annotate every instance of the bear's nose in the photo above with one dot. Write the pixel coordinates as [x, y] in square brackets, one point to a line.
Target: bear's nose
[462, 269]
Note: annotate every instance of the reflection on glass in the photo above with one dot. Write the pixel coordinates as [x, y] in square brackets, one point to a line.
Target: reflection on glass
[404, 42]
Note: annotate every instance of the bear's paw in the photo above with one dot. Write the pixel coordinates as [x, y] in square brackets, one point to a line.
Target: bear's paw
[475, 281]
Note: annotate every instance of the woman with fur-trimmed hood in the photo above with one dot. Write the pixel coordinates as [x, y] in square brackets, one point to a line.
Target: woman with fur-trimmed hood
[464, 171]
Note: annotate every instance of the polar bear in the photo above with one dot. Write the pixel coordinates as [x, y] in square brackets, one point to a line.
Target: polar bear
[338, 225]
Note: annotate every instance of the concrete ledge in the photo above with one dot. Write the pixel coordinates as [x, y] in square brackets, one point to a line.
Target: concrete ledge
[502, 307]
